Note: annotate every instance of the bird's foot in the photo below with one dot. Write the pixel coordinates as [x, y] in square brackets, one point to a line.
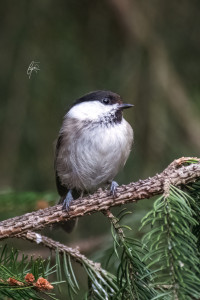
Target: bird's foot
[67, 201]
[113, 189]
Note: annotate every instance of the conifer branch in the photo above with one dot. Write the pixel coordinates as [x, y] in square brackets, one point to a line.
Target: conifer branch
[99, 277]
[172, 255]
[178, 173]
[56, 246]
[132, 274]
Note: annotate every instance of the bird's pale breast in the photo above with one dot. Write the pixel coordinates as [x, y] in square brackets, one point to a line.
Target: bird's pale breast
[92, 154]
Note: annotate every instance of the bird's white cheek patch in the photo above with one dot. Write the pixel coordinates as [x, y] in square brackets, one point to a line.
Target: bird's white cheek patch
[92, 110]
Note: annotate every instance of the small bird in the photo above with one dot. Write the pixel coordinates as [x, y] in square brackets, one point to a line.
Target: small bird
[94, 143]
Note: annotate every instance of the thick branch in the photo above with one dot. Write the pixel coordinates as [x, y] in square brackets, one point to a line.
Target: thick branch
[176, 173]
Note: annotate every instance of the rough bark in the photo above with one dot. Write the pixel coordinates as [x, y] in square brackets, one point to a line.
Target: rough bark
[177, 173]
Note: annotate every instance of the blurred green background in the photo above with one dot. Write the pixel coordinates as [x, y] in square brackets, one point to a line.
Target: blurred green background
[147, 51]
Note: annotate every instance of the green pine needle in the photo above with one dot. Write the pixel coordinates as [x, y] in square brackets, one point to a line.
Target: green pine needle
[11, 266]
[173, 254]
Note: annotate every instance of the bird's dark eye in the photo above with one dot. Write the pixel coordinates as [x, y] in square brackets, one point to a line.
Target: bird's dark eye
[106, 101]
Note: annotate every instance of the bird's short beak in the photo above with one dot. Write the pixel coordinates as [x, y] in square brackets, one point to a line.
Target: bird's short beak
[125, 105]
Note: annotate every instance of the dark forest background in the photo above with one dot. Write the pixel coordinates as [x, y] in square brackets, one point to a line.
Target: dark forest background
[147, 51]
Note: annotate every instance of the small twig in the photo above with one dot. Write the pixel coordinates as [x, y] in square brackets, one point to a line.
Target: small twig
[114, 221]
[56, 246]
[178, 163]
[73, 253]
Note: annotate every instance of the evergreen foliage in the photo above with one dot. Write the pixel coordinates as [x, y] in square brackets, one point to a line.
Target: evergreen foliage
[132, 275]
[173, 253]
[164, 266]
[102, 284]
[12, 276]
[194, 190]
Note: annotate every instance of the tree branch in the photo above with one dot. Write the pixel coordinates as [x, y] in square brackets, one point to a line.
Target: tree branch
[56, 246]
[176, 173]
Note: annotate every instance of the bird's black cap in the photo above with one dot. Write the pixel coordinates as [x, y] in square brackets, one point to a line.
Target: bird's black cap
[101, 96]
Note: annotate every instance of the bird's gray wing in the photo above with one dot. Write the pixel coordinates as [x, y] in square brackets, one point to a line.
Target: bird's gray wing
[62, 190]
